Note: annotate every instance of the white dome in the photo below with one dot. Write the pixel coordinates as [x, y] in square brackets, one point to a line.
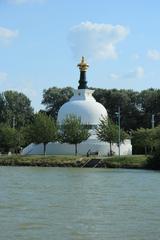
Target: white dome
[83, 105]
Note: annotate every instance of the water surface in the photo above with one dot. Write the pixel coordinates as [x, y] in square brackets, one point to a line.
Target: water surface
[79, 204]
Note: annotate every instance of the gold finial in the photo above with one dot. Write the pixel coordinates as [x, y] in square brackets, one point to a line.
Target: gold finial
[83, 65]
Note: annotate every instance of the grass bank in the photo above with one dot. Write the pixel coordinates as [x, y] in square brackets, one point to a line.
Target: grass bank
[134, 161]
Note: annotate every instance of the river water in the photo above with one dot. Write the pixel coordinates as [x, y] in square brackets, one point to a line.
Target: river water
[79, 204]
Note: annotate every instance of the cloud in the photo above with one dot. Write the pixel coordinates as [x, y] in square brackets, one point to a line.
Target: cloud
[135, 56]
[97, 41]
[153, 54]
[3, 76]
[27, 88]
[7, 35]
[137, 73]
[114, 76]
[26, 1]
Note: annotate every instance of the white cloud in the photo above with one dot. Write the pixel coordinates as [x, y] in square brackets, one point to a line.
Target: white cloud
[28, 89]
[137, 73]
[153, 54]
[97, 41]
[7, 34]
[113, 76]
[136, 56]
[25, 1]
[3, 76]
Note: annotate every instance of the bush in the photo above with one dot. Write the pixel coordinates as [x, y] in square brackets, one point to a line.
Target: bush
[153, 162]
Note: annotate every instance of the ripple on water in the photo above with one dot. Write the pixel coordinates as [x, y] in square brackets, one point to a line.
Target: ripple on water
[79, 204]
[32, 225]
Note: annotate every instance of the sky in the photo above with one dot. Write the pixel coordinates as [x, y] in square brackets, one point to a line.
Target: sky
[42, 41]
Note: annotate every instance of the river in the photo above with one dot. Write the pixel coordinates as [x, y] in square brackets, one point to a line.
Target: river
[79, 204]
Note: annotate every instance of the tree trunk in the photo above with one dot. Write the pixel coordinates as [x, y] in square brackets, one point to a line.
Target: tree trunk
[76, 149]
[110, 148]
[44, 149]
[145, 148]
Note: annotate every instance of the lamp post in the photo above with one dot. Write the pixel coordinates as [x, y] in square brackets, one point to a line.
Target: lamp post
[153, 120]
[119, 130]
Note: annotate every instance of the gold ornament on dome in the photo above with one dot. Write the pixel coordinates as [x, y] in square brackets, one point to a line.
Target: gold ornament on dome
[83, 65]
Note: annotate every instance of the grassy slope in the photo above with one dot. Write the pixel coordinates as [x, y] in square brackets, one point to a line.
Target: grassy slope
[134, 161]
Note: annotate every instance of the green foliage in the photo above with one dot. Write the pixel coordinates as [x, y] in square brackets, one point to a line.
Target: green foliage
[54, 98]
[15, 109]
[10, 138]
[127, 100]
[144, 138]
[42, 130]
[154, 159]
[150, 104]
[136, 107]
[107, 131]
[73, 132]
[149, 139]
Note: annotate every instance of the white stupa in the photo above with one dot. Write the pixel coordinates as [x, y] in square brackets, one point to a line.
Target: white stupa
[82, 105]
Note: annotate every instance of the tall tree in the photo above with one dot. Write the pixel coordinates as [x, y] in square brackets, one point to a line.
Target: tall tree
[42, 130]
[144, 138]
[126, 100]
[10, 138]
[107, 131]
[73, 132]
[150, 104]
[154, 159]
[54, 98]
[15, 109]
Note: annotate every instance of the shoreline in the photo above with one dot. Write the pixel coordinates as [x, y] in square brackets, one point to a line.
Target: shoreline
[128, 162]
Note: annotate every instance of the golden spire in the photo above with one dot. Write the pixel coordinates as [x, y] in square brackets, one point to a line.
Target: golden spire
[83, 65]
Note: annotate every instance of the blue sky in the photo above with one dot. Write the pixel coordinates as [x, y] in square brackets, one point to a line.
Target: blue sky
[41, 42]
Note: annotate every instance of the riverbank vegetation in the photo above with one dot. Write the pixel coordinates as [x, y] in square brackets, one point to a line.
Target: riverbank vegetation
[135, 162]
[140, 118]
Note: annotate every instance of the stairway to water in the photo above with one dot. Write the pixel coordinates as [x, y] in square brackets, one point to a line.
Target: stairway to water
[91, 163]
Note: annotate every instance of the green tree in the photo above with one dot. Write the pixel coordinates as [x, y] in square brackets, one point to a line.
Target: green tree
[127, 100]
[15, 109]
[10, 138]
[72, 131]
[42, 130]
[144, 138]
[150, 104]
[54, 98]
[153, 160]
[107, 131]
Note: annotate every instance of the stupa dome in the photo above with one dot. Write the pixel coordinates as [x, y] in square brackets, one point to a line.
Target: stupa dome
[83, 104]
